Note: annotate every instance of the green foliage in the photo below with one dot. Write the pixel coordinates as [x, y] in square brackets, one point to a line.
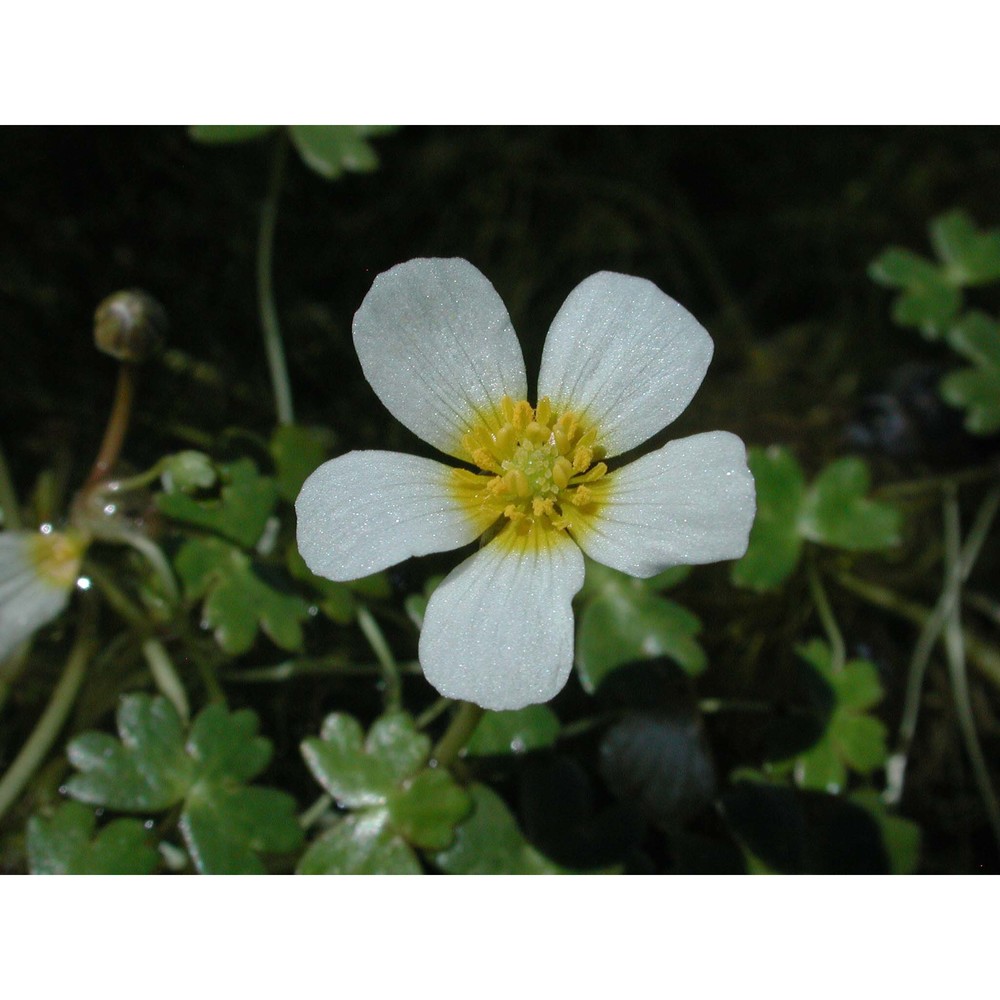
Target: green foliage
[850, 738]
[155, 765]
[489, 842]
[519, 731]
[976, 389]
[239, 513]
[329, 150]
[775, 542]
[223, 135]
[297, 452]
[900, 837]
[186, 472]
[396, 801]
[237, 600]
[66, 844]
[969, 258]
[833, 511]
[836, 513]
[624, 619]
[927, 301]
[931, 293]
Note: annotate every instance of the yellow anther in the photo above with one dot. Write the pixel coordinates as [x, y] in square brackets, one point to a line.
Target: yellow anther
[507, 406]
[512, 513]
[582, 457]
[540, 507]
[562, 472]
[523, 415]
[581, 496]
[485, 460]
[543, 412]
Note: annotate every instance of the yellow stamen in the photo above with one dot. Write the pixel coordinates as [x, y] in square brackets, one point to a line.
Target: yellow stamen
[533, 463]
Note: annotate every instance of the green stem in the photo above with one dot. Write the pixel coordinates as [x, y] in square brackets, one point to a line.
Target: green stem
[8, 497]
[117, 598]
[392, 690]
[426, 717]
[48, 727]
[457, 735]
[273, 344]
[955, 654]
[838, 651]
[983, 655]
[153, 554]
[165, 675]
[315, 811]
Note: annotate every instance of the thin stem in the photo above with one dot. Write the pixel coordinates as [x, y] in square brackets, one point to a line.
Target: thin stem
[392, 690]
[318, 809]
[48, 727]
[117, 426]
[457, 735]
[273, 345]
[955, 654]
[934, 622]
[426, 717]
[8, 496]
[983, 655]
[165, 675]
[838, 652]
[145, 546]
[914, 487]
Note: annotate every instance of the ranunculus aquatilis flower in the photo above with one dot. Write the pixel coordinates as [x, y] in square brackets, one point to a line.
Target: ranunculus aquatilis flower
[37, 572]
[621, 361]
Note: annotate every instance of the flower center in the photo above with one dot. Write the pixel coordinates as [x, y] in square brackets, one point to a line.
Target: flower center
[56, 556]
[536, 467]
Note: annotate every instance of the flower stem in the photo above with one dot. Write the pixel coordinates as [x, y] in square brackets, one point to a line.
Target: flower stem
[392, 690]
[273, 345]
[38, 744]
[165, 675]
[954, 646]
[838, 652]
[117, 426]
[457, 735]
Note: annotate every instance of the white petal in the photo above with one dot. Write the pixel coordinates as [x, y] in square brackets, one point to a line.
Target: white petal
[368, 510]
[498, 631]
[692, 501]
[27, 601]
[626, 356]
[438, 348]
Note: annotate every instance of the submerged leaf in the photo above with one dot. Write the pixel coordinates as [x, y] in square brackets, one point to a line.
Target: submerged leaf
[156, 766]
[237, 600]
[239, 513]
[66, 844]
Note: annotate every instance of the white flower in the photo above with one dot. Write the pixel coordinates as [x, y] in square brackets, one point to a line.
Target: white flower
[621, 361]
[37, 572]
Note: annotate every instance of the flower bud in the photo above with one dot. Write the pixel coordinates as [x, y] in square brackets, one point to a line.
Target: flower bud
[130, 326]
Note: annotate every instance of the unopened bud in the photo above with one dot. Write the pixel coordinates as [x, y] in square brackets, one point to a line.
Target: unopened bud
[130, 326]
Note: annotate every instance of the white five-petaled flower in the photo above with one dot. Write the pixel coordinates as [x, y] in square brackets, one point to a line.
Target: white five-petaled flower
[621, 361]
[38, 570]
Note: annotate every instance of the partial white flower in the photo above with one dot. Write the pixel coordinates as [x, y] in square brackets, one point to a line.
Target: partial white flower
[38, 570]
[621, 361]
